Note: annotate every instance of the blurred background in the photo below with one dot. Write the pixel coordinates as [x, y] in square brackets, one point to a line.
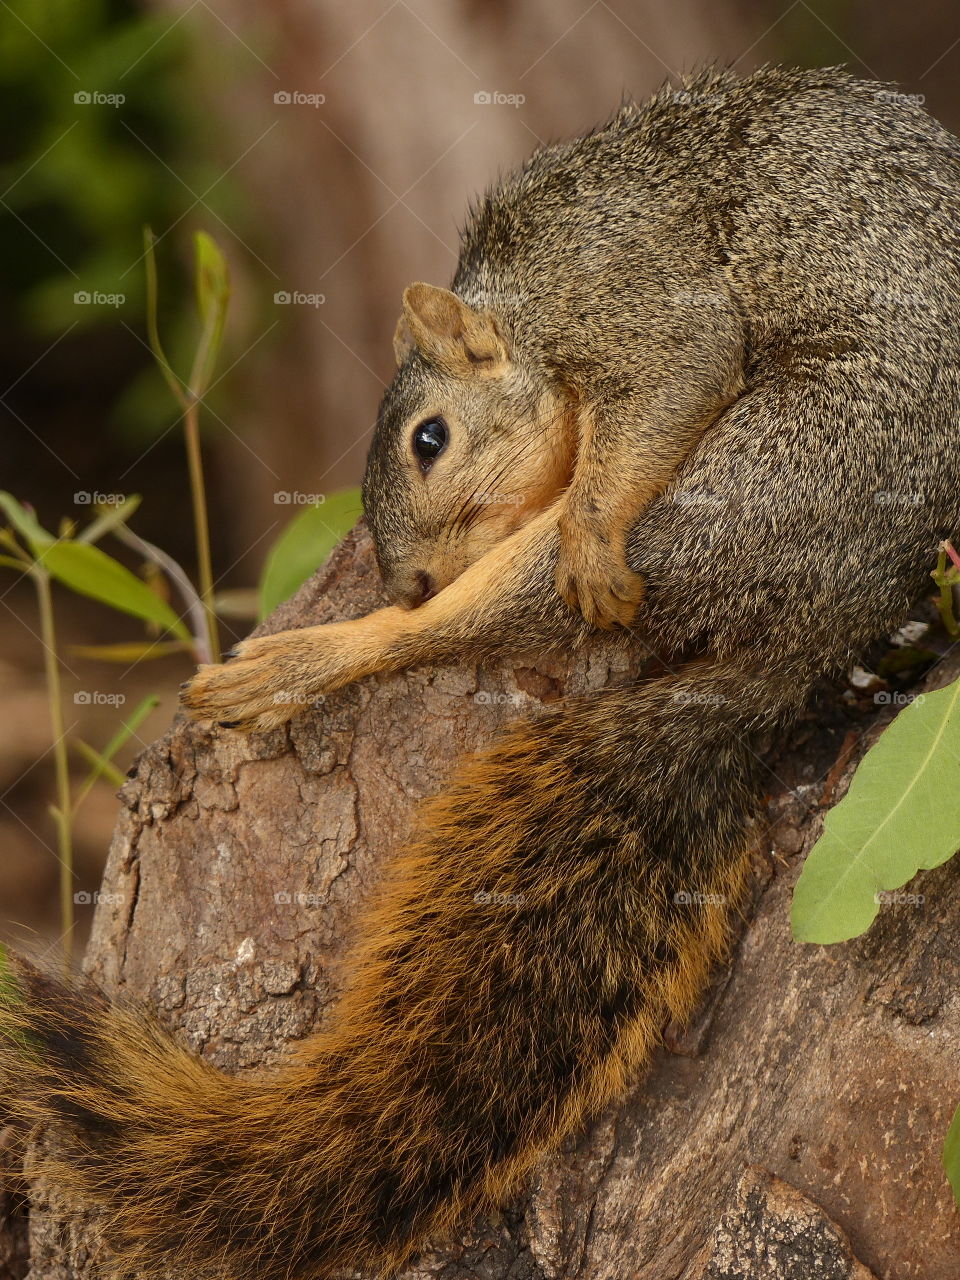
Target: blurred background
[330, 150]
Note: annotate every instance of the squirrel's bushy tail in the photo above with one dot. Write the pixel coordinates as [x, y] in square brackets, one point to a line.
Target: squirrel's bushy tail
[569, 892]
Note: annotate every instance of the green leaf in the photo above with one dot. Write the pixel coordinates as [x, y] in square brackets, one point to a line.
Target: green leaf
[905, 658]
[91, 572]
[103, 760]
[212, 278]
[108, 518]
[153, 330]
[901, 815]
[213, 295]
[131, 724]
[946, 580]
[304, 545]
[25, 523]
[133, 651]
[951, 1156]
[102, 767]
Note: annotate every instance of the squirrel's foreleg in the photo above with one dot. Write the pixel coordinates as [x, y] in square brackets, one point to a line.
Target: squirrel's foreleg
[632, 443]
[509, 592]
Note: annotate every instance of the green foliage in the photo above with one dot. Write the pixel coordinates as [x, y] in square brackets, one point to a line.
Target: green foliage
[212, 283]
[951, 1156]
[102, 761]
[78, 564]
[901, 815]
[82, 173]
[304, 545]
[89, 571]
[947, 577]
[72, 559]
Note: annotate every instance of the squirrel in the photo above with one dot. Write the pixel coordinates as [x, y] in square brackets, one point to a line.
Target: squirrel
[712, 351]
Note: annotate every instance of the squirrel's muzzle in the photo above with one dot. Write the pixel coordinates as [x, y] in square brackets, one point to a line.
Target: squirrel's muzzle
[413, 590]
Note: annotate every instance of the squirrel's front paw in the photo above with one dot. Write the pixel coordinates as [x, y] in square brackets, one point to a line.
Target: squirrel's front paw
[267, 683]
[593, 578]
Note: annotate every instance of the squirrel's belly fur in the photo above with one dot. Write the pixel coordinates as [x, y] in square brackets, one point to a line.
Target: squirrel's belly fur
[613, 831]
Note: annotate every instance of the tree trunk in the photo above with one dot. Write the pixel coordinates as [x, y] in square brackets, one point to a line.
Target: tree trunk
[793, 1131]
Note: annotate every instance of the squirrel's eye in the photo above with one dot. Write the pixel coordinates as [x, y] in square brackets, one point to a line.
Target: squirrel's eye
[430, 440]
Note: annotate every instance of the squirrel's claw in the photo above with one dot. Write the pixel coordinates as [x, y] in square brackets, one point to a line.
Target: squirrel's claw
[256, 690]
[595, 581]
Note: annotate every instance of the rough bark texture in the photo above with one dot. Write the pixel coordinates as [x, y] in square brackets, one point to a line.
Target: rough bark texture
[793, 1131]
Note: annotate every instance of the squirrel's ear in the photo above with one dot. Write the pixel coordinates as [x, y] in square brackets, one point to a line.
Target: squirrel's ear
[449, 333]
[403, 342]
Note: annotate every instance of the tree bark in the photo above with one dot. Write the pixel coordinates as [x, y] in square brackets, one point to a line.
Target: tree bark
[793, 1131]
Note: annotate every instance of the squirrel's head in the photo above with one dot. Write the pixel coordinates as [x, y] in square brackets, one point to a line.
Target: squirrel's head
[470, 443]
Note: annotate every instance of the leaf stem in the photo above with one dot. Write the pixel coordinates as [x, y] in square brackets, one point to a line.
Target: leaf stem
[191, 424]
[62, 810]
[194, 605]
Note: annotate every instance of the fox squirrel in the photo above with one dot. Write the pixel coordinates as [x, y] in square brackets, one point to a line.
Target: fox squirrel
[712, 352]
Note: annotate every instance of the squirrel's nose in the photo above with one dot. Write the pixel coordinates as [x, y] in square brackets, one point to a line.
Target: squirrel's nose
[421, 589]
